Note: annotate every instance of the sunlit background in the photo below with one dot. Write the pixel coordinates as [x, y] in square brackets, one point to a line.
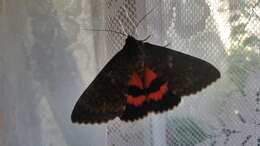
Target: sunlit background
[48, 57]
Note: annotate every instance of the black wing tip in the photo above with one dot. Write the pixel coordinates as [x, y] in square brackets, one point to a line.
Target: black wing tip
[88, 121]
[74, 116]
[218, 74]
[88, 117]
[213, 76]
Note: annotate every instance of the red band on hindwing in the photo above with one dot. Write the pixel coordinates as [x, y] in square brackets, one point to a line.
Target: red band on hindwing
[135, 81]
[149, 76]
[158, 94]
[139, 98]
[136, 101]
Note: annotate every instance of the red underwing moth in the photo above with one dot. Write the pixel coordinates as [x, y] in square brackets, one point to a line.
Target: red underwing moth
[139, 79]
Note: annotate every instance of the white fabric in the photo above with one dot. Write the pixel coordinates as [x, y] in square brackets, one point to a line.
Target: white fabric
[47, 59]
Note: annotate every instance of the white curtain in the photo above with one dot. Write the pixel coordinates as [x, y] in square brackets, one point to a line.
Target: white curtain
[48, 58]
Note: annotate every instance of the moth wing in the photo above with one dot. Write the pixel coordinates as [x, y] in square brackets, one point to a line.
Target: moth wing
[104, 99]
[185, 74]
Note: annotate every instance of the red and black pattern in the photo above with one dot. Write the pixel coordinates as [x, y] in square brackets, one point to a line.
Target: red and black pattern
[147, 95]
[150, 88]
[139, 79]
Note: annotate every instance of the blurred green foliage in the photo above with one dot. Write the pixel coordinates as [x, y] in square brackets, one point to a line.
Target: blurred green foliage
[243, 57]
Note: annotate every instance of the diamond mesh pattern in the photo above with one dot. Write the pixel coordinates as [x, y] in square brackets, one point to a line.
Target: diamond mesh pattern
[192, 27]
[48, 58]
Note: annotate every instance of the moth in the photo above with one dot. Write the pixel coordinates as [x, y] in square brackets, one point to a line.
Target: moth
[139, 79]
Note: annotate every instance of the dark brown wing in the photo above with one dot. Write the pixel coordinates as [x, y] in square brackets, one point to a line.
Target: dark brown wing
[105, 98]
[185, 74]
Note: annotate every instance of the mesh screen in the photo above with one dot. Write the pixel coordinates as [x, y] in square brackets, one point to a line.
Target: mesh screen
[223, 114]
[48, 58]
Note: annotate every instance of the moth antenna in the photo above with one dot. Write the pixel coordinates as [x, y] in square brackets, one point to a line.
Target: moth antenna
[127, 15]
[106, 30]
[122, 27]
[124, 32]
[168, 44]
[139, 22]
[147, 38]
